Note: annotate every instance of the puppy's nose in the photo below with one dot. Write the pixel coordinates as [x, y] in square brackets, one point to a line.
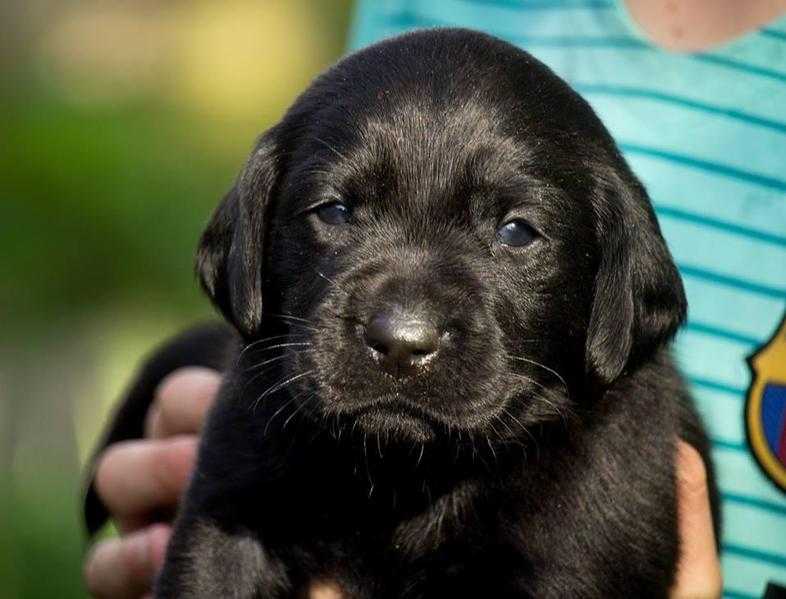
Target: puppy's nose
[402, 342]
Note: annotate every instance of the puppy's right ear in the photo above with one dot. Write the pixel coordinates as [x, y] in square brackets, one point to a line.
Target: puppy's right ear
[639, 299]
[230, 259]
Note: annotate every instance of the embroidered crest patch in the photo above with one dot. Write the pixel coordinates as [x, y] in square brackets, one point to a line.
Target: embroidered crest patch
[765, 410]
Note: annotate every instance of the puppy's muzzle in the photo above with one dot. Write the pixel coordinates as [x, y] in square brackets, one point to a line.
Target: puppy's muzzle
[402, 341]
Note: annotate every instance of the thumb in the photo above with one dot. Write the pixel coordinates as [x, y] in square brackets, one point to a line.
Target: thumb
[698, 569]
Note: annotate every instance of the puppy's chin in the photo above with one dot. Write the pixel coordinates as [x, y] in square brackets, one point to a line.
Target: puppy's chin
[396, 425]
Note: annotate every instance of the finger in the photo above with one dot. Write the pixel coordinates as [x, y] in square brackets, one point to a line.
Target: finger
[137, 478]
[181, 402]
[324, 590]
[698, 570]
[124, 568]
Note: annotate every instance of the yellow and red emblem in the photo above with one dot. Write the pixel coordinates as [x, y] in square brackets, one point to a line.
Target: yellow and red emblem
[765, 411]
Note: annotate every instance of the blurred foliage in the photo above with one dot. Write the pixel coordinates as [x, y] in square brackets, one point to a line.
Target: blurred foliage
[122, 124]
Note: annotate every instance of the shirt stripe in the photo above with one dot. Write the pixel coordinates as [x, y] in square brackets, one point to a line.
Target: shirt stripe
[731, 594]
[777, 559]
[774, 33]
[721, 169]
[704, 221]
[683, 101]
[735, 282]
[533, 5]
[741, 66]
[722, 333]
[758, 503]
[717, 386]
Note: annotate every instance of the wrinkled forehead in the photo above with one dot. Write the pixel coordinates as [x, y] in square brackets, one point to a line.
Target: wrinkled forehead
[420, 152]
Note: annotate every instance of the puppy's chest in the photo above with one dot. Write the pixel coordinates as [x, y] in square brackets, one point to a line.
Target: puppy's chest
[445, 523]
[398, 531]
[393, 549]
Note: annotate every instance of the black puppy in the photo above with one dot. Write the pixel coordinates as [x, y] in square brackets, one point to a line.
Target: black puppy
[451, 380]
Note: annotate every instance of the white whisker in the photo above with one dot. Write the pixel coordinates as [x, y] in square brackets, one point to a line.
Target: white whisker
[282, 408]
[543, 366]
[280, 345]
[281, 385]
[300, 407]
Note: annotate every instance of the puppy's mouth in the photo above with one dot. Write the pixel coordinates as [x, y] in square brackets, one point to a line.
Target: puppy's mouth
[397, 419]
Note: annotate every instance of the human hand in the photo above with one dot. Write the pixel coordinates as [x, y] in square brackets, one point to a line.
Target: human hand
[139, 481]
[698, 570]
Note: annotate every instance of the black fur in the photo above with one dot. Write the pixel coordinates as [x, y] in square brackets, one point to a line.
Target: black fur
[533, 456]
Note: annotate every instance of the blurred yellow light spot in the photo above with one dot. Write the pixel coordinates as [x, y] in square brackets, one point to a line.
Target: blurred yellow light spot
[231, 60]
[103, 54]
[248, 58]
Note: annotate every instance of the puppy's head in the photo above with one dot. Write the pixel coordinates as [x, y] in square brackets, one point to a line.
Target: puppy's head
[449, 239]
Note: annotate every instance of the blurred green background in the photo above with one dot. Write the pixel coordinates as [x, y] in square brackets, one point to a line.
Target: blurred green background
[121, 125]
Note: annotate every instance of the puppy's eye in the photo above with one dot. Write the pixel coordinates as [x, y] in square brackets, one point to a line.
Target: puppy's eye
[334, 213]
[516, 233]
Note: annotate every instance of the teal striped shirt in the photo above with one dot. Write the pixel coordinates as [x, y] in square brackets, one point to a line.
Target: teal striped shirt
[706, 132]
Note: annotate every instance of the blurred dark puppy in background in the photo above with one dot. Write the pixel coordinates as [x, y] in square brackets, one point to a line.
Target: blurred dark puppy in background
[451, 379]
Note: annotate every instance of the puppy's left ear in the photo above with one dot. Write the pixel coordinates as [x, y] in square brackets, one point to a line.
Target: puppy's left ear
[639, 300]
[231, 255]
